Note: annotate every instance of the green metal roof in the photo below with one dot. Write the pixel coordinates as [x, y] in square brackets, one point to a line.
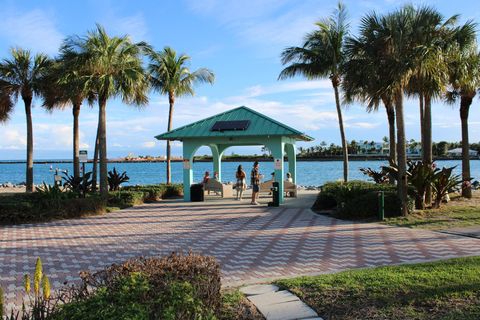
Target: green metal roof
[260, 125]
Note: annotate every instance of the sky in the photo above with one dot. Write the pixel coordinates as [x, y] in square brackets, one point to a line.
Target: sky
[239, 40]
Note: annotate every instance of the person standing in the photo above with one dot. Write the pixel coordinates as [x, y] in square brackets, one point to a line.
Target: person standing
[241, 183]
[255, 182]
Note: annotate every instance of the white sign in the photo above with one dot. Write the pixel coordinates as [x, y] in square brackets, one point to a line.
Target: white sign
[186, 164]
[83, 156]
[278, 164]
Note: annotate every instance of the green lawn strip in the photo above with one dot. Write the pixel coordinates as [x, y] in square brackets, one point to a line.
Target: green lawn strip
[444, 218]
[438, 290]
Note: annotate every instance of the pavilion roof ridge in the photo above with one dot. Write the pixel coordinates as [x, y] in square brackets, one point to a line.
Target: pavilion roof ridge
[261, 125]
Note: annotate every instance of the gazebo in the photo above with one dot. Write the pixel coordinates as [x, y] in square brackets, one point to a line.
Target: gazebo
[241, 126]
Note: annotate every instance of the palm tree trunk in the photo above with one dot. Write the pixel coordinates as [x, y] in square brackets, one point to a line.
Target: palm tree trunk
[171, 100]
[465, 103]
[391, 136]
[95, 161]
[76, 140]
[401, 153]
[28, 112]
[102, 137]
[342, 132]
[427, 143]
[422, 122]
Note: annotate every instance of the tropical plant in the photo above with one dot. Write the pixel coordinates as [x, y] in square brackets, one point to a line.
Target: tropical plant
[21, 75]
[78, 184]
[464, 73]
[420, 177]
[322, 56]
[115, 179]
[170, 75]
[66, 84]
[443, 183]
[114, 69]
[379, 177]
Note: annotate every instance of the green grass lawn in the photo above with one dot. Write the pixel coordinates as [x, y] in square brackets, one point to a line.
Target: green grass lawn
[450, 216]
[447, 289]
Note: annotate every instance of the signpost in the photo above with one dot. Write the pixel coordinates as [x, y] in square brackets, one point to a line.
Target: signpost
[83, 158]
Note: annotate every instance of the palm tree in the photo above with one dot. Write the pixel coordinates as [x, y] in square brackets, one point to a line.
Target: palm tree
[363, 71]
[64, 85]
[170, 75]
[322, 56]
[113, 69]
[20, 75]
[392, 37]
[464, 66]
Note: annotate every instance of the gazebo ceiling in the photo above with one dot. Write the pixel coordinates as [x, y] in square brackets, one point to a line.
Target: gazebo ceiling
[238, 122]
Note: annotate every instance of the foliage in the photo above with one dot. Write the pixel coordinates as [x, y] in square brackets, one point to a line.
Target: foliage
[1, 303]
[78, 184]
[420, 176]
[124, 199]
[173, 287]
[377, 176]
[438, 290]
[157, 192]
[115, 179]
[443, 183]
[357, 199]
[35, 207]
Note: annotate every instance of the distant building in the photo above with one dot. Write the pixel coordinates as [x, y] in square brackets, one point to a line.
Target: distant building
[457, 152]
[372, 147]
[414, 150]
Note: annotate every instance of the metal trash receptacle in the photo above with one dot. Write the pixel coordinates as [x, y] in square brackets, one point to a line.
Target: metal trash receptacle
[275, 195]
[196, 193]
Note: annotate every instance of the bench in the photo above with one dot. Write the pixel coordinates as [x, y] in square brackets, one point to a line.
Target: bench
[225, 190]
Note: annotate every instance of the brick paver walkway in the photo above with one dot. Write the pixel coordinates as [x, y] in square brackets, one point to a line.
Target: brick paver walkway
[251, 243]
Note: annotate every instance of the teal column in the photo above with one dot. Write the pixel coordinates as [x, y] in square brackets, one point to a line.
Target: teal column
[217, 160]
[189, 149]
[292, 161]
[276, 147]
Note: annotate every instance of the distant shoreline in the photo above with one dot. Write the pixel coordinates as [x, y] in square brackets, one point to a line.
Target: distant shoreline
[237, 159]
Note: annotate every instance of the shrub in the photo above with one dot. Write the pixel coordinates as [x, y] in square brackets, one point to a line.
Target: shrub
[157, 192]
[115, 179]
[38, 207]
[357, 199]
[173, 287]
[125, 199]
[78, 184]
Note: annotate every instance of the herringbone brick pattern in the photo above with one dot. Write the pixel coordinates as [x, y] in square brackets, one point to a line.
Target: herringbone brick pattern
[251, 243]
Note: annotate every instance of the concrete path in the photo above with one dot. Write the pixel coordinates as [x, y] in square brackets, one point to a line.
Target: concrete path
[252, 243]
[473, 232]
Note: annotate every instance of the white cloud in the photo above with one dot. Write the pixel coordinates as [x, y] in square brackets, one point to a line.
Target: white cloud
[34, 29]
[149, 144]
[12, 139]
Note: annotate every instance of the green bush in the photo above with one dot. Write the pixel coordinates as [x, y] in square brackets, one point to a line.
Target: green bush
[38, 207]
[172, 287]
[358, 199]
[157, 192]
[124, 198]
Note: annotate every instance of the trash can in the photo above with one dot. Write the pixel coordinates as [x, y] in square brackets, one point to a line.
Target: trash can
[196, 192]
[275, 195]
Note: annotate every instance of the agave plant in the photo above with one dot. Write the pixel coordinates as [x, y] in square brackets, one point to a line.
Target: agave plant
[78, 184]
[420, 176]
[115, 179]
[443, 183]
[380, 177]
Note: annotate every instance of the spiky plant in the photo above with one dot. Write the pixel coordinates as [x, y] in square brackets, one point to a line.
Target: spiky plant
[46, 287]
[37, 278]
[27, 283]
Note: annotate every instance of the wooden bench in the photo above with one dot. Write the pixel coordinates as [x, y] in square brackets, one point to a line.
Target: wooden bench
[225, 190]
[288, 187]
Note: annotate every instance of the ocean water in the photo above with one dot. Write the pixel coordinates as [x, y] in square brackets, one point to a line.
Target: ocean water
[309, 173]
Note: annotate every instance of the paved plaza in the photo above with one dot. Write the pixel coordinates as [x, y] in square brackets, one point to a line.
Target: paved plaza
[252, 243]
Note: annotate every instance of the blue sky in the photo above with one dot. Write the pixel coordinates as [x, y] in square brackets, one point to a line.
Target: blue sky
[240, 40]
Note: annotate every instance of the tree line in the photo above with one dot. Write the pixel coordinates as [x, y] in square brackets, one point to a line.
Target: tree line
[410, 51]
[93, 69]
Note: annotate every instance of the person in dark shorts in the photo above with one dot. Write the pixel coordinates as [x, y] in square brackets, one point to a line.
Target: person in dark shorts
[255, 182]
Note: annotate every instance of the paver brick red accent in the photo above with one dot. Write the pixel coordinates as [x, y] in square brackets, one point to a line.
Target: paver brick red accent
[251, 243]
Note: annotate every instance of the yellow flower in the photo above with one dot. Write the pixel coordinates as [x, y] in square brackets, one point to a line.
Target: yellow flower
[27, 283]
[37, 278]
[46, 287]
